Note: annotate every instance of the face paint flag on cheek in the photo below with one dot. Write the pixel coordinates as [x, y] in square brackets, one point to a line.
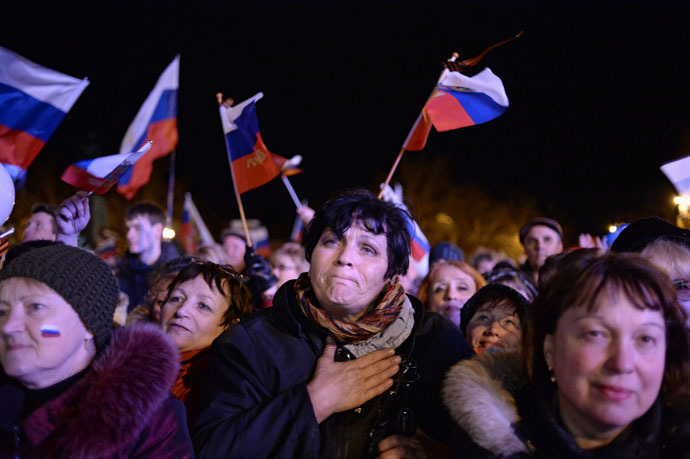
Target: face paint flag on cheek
[50, 331]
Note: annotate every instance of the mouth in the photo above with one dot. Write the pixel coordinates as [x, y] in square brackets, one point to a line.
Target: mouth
[450, 307]
[17, 347]
[613, 393]
[177, 328]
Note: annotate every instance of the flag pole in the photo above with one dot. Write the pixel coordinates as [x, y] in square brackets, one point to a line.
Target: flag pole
[291, 190]
[402, 150]
[171, 187]
[390, 174]
[219, 96]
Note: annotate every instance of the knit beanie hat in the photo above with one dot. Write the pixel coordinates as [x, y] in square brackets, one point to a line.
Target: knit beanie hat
[640, 233]
[553, 224]
[82, 279]
[446, 250]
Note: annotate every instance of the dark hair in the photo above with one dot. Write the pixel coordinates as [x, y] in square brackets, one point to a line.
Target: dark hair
[47, 209]
[581, 278]
[377, 216]
[226, 280]
[153, 212]
[493, 294]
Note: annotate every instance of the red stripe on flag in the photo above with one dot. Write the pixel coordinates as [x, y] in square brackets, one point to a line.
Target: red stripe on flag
[18, 147]
[257, 168]
[164, 136]
[81, 179]
[447, 113]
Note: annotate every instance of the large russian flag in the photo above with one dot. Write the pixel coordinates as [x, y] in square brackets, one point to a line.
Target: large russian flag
[460, 101]
[251, 162]
[33, 102]
[157, 121]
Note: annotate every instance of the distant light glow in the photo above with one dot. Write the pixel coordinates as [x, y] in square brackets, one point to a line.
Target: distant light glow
[168, 233]
[613, 229]
[444, 219]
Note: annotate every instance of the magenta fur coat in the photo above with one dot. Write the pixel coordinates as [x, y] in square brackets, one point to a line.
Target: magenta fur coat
[121, 407]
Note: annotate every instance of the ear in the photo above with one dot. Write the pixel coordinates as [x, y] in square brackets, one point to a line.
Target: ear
[158, 227]
[548, 350]
[88, 336]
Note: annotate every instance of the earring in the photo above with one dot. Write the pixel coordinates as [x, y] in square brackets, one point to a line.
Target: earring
[552, 375]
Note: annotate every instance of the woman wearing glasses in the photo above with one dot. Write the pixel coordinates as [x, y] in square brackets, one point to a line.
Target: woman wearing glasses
[204, 299]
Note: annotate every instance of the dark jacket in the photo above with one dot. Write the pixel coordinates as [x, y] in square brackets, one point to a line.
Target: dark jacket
[133, 274]
[120, 407]
[498, 414]
[258, 404]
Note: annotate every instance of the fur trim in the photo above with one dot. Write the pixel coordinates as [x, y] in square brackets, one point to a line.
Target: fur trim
[477, 393]
[126, 386]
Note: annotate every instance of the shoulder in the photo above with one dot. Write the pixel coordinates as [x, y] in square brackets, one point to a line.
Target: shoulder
[480, 396]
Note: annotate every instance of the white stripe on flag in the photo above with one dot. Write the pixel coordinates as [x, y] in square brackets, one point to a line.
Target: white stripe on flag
[42, 83]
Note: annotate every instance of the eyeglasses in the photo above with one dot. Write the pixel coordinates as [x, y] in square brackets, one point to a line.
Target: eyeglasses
[682, 289]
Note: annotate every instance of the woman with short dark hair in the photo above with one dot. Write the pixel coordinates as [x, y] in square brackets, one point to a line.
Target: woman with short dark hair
[344, 364]
[605, 369]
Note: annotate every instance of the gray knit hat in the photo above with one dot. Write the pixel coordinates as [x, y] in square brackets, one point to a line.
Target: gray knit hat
[82, 279]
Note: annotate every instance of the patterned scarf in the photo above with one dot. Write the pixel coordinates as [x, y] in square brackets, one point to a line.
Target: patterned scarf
[377, 317]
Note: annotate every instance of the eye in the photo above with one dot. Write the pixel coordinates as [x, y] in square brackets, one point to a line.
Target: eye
[483, 317]
[463, 288]
[35, 307]
[4, 311]
[205, 307]
[439, 288]
[369, 250]
[329, 241]
[174, 299]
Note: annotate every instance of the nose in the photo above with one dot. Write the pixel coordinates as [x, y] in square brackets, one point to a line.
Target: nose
[182, 310]
[621, 357]
[13, 322]
[130, 234]
[494, 329]
[450, 294]
[345, 255]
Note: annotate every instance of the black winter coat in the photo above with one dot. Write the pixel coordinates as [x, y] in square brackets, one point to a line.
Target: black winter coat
[257, 401]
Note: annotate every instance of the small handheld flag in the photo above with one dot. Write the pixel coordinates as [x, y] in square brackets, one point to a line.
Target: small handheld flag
[251, 163]
[33, 102]
[100, 174]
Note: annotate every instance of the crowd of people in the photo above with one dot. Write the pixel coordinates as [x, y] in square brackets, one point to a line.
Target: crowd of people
[332, 348]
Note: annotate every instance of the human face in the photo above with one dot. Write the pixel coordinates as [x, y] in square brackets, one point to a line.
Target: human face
[235, 247]
[608, 363]
[192, 314]
[35, 360]
[285, 269]
[494, 326]
[449, 290]
[39, 227]
[142, 236]
[540, 243]
[347, 273]
[683, 295]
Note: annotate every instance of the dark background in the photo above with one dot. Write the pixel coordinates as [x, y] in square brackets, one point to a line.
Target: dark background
[598, 91]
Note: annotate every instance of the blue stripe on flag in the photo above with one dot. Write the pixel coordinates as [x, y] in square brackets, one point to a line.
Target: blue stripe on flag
[480, 107]
[21, 112]
[241, 141]
[166, 107]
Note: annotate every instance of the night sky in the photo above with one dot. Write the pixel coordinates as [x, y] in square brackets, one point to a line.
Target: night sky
[599, 93]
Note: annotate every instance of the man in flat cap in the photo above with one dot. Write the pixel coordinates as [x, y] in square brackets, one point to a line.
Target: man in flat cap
[541, 237]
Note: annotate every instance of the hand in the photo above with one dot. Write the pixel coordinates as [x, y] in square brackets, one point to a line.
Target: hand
[306, 214]
[72, 217]
[418, 446]
[341, 386]
[259, 270]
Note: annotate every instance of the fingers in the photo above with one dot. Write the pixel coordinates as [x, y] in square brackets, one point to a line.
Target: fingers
[329, 350]
[399, 446]
[374, 357]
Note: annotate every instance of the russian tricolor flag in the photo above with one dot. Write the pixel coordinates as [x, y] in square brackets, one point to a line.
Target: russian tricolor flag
[460, 101]
[33, 102]
[157, 121]
[251, 162]
[98, 175]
